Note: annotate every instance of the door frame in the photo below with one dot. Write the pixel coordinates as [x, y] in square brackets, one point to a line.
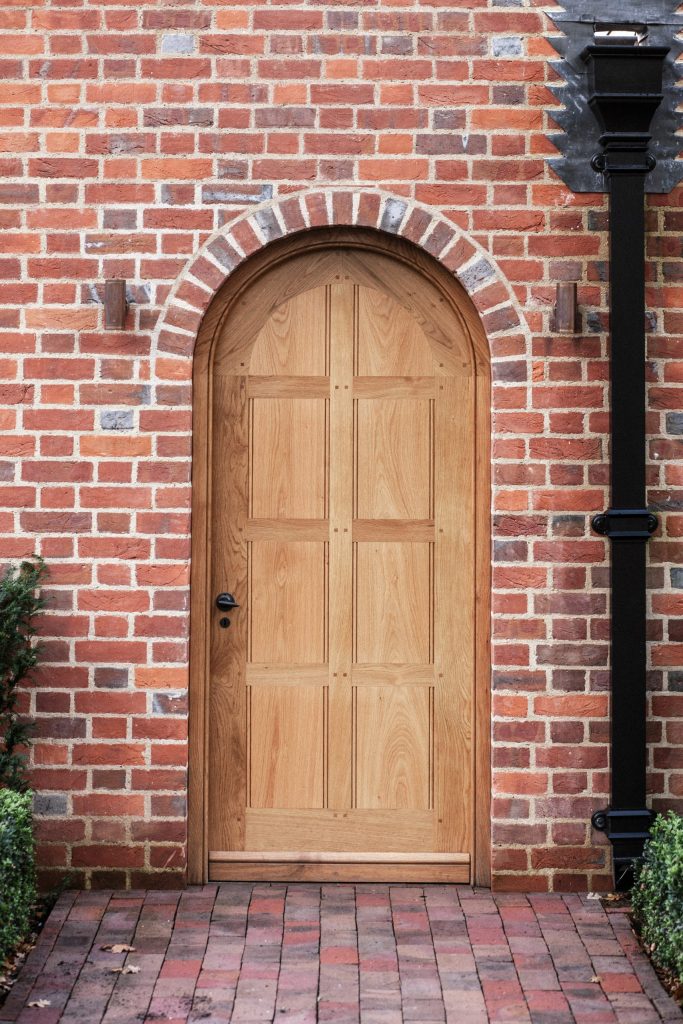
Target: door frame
[200, 610]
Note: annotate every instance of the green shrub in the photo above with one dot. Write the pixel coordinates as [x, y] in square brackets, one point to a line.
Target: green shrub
[19, 603]
[658, 894]
[17, 868]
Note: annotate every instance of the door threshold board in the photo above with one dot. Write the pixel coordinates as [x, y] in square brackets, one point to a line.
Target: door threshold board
[339, 871]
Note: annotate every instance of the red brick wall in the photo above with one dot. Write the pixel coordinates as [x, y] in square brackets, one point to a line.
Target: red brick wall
[133, 131]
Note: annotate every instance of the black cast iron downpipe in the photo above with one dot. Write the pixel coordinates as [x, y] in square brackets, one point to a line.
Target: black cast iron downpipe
[625, 91]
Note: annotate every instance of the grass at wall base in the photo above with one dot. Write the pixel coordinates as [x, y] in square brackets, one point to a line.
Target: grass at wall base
[657, 899]
[19, 603]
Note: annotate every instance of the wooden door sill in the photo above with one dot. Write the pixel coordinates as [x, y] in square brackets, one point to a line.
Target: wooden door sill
[299, 866]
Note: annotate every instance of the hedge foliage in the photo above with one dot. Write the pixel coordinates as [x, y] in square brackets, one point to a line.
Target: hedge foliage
[19, 603]
[657, 895]
[17, 868]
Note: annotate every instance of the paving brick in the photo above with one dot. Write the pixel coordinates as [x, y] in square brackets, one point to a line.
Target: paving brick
[369, 955]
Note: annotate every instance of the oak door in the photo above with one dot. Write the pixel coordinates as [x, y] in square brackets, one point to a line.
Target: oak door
[340, 714]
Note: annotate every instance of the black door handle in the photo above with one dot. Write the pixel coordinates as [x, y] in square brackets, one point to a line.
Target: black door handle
[226, 602]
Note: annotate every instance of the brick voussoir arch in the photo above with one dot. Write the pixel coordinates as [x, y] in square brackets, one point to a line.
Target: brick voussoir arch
[466, 259]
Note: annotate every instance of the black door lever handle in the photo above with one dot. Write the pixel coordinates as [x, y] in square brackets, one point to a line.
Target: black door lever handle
[226, 602]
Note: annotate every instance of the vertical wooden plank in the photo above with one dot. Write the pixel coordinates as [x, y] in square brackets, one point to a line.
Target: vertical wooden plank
[342, 326]
[200, 582]
[227, 700]
[482, 610]
[454, 609]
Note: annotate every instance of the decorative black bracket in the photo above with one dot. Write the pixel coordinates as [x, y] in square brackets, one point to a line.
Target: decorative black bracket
[625, 523]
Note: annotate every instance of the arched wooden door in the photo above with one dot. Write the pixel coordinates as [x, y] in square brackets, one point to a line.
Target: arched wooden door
[340, 693]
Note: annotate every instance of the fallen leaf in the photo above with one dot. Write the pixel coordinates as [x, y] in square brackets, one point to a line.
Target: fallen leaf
[40, 1003]
[595, 979]
[119, 947]
[611, 897]
[128, 969]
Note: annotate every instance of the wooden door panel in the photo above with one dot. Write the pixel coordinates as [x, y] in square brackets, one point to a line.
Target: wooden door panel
[287, 605]
[288, 447]
[286, 739]
[394, 459]
[390, 342]
[441, 326]
[374, 830]
[393, 603]
[394, 747]
[344, 525]
[293, 341]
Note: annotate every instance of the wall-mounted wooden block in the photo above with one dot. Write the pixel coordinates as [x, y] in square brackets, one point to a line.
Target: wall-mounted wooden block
[115, 305]
[566, 319]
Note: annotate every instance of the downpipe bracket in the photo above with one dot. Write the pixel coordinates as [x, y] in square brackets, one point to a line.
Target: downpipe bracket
[625, 523]
[624, 824]
[627, 831]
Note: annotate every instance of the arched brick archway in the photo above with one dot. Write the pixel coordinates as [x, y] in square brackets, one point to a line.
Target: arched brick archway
[223, 253]
[250, 235]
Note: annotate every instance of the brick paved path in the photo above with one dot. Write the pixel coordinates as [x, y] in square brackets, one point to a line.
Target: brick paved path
[340, 953]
